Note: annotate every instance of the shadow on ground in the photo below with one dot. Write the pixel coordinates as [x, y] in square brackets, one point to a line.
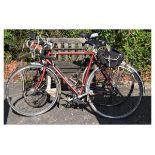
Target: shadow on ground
[6, 110]
[141, 116]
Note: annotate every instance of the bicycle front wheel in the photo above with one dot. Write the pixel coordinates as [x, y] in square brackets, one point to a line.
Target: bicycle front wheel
[28, 92]
[115, 92]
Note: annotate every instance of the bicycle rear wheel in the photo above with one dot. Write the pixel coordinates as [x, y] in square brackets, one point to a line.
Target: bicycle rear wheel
[27, 95]
[115, 93]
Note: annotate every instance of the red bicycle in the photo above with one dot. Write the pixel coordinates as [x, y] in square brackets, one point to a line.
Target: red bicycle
[112, 88]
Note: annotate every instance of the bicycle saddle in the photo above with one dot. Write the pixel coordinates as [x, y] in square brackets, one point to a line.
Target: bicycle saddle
[85, 35]
[89, 36]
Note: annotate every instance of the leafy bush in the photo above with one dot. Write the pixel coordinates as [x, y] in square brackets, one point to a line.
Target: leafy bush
[136, 44]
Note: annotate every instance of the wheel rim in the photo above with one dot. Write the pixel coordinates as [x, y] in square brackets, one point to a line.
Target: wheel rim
[24, 103]
[122, 109]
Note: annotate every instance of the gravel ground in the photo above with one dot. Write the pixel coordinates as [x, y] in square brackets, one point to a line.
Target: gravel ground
[64, 115]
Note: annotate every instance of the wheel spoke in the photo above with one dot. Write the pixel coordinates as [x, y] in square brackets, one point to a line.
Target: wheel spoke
[116, 98]
[33, 101]
[118, 92]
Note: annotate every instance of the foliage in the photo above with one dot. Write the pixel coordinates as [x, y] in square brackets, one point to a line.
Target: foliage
[136, 44]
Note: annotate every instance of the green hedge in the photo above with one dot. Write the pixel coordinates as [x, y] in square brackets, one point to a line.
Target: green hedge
[136, 44]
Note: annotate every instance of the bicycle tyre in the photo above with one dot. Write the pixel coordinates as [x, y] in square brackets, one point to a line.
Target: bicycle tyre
[112, 110]
[23, 84]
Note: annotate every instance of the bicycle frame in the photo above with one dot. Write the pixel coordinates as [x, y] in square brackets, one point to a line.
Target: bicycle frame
[62, 76]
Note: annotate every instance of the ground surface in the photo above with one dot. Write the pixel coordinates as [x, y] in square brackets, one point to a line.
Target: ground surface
[64, 115]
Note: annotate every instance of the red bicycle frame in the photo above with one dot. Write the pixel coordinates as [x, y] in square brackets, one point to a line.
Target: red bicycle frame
[62, 76]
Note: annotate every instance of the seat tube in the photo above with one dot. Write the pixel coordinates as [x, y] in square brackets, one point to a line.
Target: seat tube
[87, 73]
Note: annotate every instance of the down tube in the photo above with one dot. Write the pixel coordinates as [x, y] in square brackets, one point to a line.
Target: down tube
[65, 79]
[87, 74]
